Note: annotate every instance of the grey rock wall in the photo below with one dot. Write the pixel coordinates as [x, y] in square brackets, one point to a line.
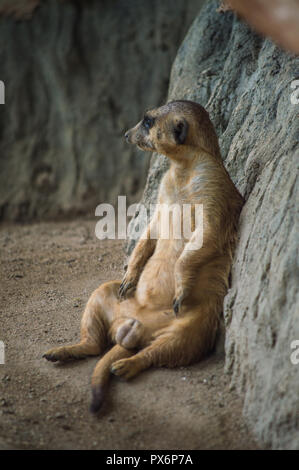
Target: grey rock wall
[244, 81]
[77, 75]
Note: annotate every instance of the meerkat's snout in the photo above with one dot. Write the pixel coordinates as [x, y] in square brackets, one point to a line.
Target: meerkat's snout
[139, 135]
[127, 137]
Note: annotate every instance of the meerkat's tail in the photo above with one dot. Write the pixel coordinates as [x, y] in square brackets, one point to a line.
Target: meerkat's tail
[101, 375]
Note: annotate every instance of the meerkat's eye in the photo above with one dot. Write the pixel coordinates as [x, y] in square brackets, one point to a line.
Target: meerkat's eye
[148, 122]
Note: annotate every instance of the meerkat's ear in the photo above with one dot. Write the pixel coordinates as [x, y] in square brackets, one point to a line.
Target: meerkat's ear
[180, 130]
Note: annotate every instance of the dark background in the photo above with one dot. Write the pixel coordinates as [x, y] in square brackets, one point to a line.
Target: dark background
[78, 74]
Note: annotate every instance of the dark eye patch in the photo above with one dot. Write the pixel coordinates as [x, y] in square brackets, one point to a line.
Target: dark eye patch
[148, 122]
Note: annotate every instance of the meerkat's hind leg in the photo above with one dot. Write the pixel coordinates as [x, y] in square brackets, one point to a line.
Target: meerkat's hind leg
[158, 353]
[185, 340]
[75, 351]
[91, 344]
[94, 326]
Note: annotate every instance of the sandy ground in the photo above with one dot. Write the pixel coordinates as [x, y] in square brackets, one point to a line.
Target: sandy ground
[48, 271]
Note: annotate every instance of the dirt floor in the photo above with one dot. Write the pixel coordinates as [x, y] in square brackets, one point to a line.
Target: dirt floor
[48, 271]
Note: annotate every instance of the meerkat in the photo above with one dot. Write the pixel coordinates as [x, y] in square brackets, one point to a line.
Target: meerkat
[166, 309]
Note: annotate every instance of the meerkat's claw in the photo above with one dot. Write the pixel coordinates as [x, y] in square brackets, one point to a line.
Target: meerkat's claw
[125, 368]
[177, 304]
[125, 287]
[50, 358]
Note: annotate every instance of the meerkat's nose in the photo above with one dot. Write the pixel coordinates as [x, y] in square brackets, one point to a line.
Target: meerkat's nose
[127, 137]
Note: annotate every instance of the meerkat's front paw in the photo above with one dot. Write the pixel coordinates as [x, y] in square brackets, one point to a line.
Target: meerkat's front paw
[125, 368]
[128, 284]
[177, 301]
[177, 304]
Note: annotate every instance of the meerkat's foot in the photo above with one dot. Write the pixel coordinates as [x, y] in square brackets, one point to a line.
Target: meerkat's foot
[129, 334]
[67, 353]
[126, 368]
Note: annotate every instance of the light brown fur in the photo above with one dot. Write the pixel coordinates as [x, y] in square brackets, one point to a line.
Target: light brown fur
[166, 310]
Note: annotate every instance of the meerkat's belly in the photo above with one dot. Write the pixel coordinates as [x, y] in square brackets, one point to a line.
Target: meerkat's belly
[156, 287]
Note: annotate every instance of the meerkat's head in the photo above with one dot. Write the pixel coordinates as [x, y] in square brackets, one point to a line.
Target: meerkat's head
[178, 130]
